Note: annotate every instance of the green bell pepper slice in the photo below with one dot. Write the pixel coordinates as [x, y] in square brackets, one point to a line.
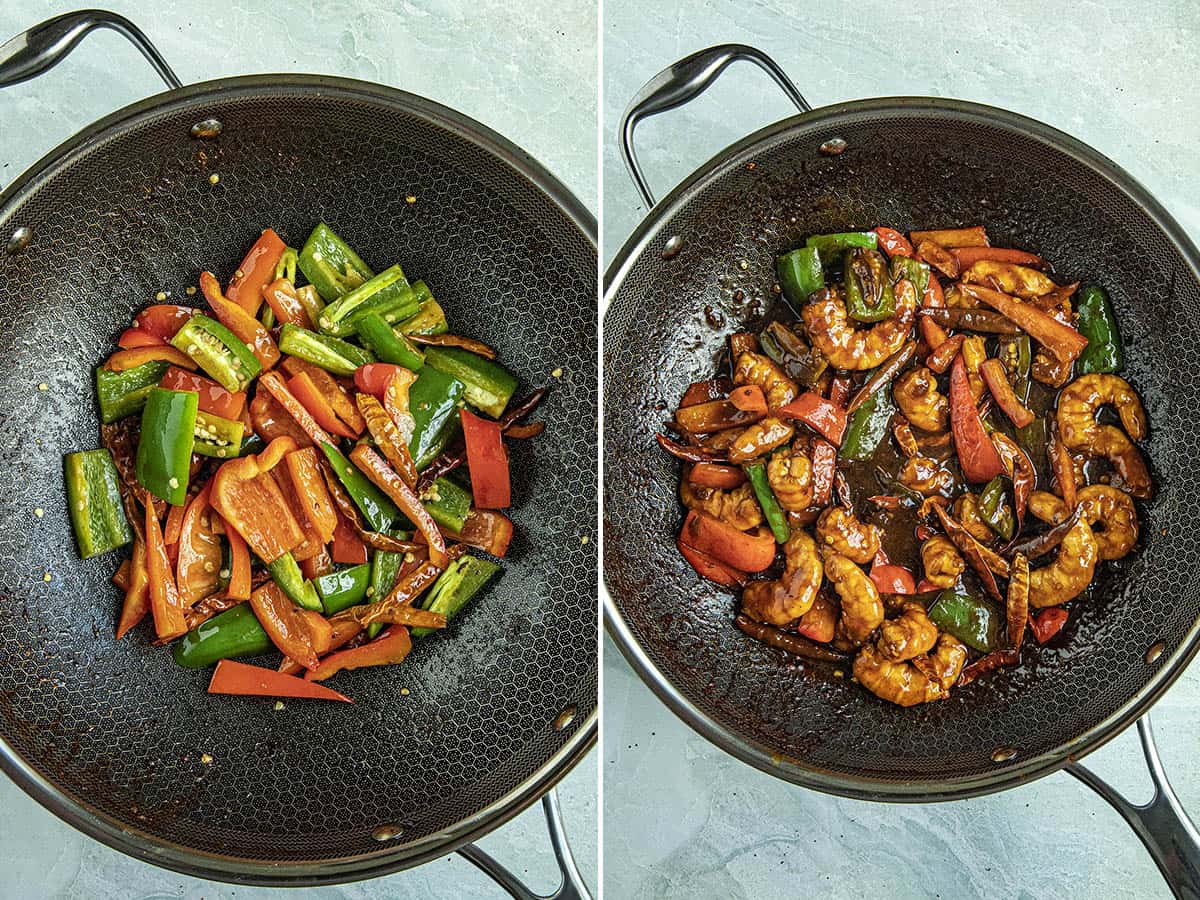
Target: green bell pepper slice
[124, 394]
[462, 580]
[800, 274]
[388, 294]
[775, 516]
[376, 507]
[830, 245]
[430, 318]
[867, 426]
[868, 286]
[969, 619]
[488, 386]
[344, 589]
[1096, 321]
[164, 453]
[285, 572]
[218, 351]
[217, 436]
[330, 353]
[94, 495]
[433, 400]
[233, 633]
[995, 510]
[388, 346]
[330, 265]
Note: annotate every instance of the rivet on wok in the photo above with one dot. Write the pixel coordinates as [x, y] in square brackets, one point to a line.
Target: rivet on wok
[565, 718]
[672, 247]
[1155, 651]
[209, 128]
[833, 147]
[19, 241]
[1004, 754]
[387, 832]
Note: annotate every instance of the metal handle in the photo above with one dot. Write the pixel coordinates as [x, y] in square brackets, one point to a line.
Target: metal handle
[572, 886]
[43, 46]
[683, 82]
[1162, 824]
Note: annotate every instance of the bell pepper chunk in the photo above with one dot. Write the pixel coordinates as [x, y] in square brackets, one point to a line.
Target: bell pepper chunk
[200, 555]
[131, 338]
[716, 475]
[131, 359]
[385, 478]
[163, 320]
[486, 530]
[892, 579]
[968, 256]
[272, 383]
[165, 602]
[800, 274]
[373, 378]
[823, 416]
[248, 329]
[284, 624]
[376, 333]
[137, 593]
[977, 455]
[256, 272]
[241, 679]
[305, 470]
[488, 462]
[892, 242]
[1047, 623]
[1098, 323]
[285, 303]
[976, 236]
[746, 552]
[347, 546]
[212, 397]
[250, 502]
[164, 453]
[389, 648]
[710, 568]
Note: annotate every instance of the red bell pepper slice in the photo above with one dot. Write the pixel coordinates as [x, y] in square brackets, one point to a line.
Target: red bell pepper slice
[390, 647]
[710, 568]
[272, 382]
[269, 420]
[137, 592]
[968, 256]
[250, 502]
[311, 399]
[239, 564]
[132, 338]
[715, 475]
[488, 461]
[891, 579]
[819, 622]
[384, 477]
[933, 298]
[1061, 340]
[316, 566]
[839, 390]
[311, 545]
[330, 388]
[174, 525]
[996, 380]
[199, 558]
[705, 391]
[977, 455]
[163, 319]
[347, 546]
[373, 378]
[281, 296]
[131, 359]
[486, 530]
[945, 353]
[892, 242]
[745, 552]
[823, 416]
[165, 603]
[749, 398]
[310, 490]
[248, 329]
[1047, 623]
[240, 679]
[345, 629]
[256, 272]
[213, 398]
[280, 618]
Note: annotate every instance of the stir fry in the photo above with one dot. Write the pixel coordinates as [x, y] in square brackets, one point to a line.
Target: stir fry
[285, 465]
[906, 475]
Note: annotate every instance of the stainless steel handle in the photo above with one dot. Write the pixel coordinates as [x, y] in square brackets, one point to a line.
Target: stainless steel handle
[685, 81]
[1162, 824]
[43, 46]
[572, 886]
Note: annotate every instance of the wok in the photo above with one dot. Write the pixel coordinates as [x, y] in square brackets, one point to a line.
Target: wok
[909, 162]
[110, 735]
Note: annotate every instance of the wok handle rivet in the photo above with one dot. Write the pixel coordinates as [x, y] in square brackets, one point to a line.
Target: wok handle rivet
[19, 241]
[672, 247]
[565, 718]
[1155, 651]
[387, 832]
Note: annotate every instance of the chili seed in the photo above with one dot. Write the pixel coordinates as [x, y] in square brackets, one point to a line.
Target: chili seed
[174, 482]
[46, 577]
[190, 290]
[278, 705]
[160, 296]
[43, 386]
[557, 373]
[404, 691]
[39, 512]
[206, 758]
[410, 199]
[214, 178]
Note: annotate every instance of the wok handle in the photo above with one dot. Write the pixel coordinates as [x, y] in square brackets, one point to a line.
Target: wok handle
[43, 46]
[683, 82]
[1162, 824]
[572, 886]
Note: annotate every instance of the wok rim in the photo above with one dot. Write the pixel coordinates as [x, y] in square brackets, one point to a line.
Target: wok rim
[754, 753]
[142, 845]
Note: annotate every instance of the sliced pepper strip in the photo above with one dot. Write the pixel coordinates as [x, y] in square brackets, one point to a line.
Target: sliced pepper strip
[892, 242]
[488, 461]
[165, 602]
[131, 359]
[213, 398]
[932, 298]
[248, 329]
[1063, 341]
[162, 319]
[821, 415]
[390, 647]
[309, 484]
[1047, 623]
[132, 338]
[311, 399]
[137, 593]
[285, 303]
[968, 256]
[255, 272]
[273, 383]
[269, 420]
[976, 455]
[715, 475]
[250, 502]
[240, 679]
[487, 530]
[996, 379]
[330, 388]
[385, 478]
[746, 552]
[387, 437]
[347, 546]
[199, 558]
[710, 568]
[239, 564]
[285, 626]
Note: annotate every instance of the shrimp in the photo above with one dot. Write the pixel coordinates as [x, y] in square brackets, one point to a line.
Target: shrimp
[925, 476]
[790, 475]
[847, 347]
[1102, 505]
[754, 368]
[942, 561]
[780, 602]
[761, 437]
[916, 393]
[862, 610]
[839, 530]
[737, 507]
[1079, 430]
[922, 680]
[907, 635]
[966, 510]
[1072, 569]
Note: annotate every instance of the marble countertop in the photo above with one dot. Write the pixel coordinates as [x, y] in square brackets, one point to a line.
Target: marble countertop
[681, 818]
[532, 79]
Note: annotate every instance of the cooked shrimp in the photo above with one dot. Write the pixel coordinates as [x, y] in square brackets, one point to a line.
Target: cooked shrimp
[754, 368]
[847, 347]
[780, 602]
[916, 393]
[1109, 511]
[1020, 281]
[926, 476]
[737, 507]
[942, 561]
[789, 473]
[761, 437]
[839, 530]
[966, 510]
[862, 610]
[1071, 571]
[922, 680]
[1079, 430]
[907, 635]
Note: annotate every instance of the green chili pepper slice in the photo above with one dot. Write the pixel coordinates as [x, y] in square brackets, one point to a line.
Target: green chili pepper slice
[776, 517]
[344, 589]
[867, 426]
[218, 351]
[388, 346]
[868, 286]
[1017, 355]
[233, 633]
[911, 270]
[462, 580]
[433, 400]
[122, 394]
[829, 246]
[799, 272]
[388, 294]
[995, 510]
[164, 454]
[430, 319]
[285, 572]
[94, 495]
[217, 437]
[448, 503]
[330, 265]
[377, 508]
[969, 619]
[330, 353]
[487, 385]
[1097, 322]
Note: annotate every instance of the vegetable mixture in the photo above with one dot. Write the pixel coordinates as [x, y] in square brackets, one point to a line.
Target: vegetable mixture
[908, 474]
[286, 465]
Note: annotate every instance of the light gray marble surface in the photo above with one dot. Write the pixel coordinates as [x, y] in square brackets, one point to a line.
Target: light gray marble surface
[682, 819]
[531, 77]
